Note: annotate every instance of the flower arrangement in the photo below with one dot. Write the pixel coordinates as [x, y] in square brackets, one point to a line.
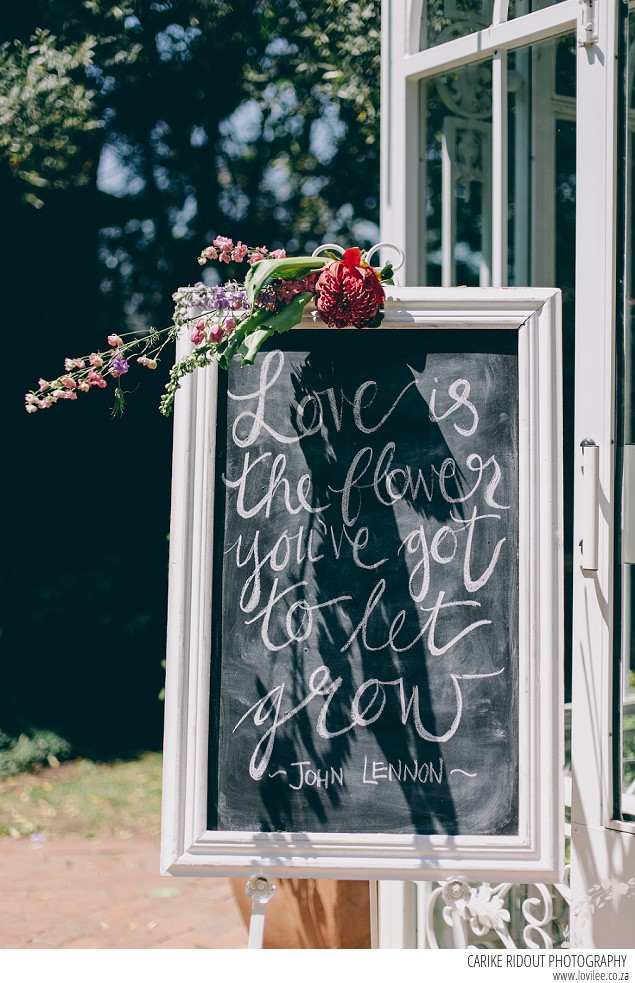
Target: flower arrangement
[232, 319]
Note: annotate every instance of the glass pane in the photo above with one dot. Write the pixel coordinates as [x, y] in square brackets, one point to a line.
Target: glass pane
[458, 177]
[541, 210]
[444, 20]
[625, 771]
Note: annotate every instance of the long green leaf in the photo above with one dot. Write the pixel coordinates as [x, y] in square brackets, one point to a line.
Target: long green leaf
[250, 324]
[253, 344]
[279, 323]
[266, 268]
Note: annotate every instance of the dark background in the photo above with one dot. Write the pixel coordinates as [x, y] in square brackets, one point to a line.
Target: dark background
[248, 120]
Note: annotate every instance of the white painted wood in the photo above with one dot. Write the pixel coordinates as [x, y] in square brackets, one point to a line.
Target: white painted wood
[397, 928]
[590, 507]
[604, 903]
[528, 29]
[601, 855]
[537, 852]
[595, 347]
[256, 926]
[499, 192]
[400, 127]
[628, 505]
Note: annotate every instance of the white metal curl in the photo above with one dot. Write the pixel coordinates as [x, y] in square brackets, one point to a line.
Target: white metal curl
[387, 245]
[369, 255]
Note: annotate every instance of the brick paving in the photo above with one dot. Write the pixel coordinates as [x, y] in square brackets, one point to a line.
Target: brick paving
[107, 894]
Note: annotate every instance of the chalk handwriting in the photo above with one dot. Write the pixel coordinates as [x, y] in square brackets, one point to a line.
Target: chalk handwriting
[366, 706]
[414, 588]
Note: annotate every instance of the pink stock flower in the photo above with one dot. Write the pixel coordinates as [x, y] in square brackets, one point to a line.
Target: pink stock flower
[215, 333]
[256, 256]
[229, 325]
[225, 247]
[278, 254]
[149, 363]
[68, 382]
[208, 253]
[96, 379]
[198, 333]
[223, 243]
[115, 341]
[239, 253]
[96, 360]
[43, 384]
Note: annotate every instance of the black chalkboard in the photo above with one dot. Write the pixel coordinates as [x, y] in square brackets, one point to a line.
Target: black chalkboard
[365, 603]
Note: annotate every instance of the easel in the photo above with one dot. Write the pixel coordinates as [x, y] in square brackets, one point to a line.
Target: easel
[259, 889]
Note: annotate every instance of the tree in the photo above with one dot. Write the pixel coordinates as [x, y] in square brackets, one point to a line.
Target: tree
[194, 116]
[138, 131]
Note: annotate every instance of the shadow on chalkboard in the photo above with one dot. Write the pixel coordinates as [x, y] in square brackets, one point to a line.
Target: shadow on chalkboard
[335, 704]
[345, 389]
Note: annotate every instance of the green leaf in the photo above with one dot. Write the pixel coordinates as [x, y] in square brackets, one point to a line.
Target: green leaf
[251, 323]
[290, 315]
[272, 324]
[290, 267]
[279, 323]
[253, 344]
[120, 402]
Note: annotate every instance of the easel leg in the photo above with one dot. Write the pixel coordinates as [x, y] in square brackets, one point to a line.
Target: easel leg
[256, 926]
[259, 890]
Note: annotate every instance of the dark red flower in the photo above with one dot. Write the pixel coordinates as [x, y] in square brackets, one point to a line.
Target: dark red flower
[349, 292]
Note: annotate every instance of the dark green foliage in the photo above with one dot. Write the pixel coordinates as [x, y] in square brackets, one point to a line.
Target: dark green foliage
[23, 753]
[162, 123]
[257, 120]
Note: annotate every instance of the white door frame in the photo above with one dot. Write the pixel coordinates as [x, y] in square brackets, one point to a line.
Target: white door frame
[596, 836]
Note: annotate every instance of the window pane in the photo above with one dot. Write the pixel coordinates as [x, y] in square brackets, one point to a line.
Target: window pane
[541, 229]
[457, 180]
[458, 177]
[444, 20]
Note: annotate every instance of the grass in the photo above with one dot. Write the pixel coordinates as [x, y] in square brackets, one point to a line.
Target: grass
[83, 798]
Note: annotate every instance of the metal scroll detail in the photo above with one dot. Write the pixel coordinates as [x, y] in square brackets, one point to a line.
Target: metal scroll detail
[502, 916]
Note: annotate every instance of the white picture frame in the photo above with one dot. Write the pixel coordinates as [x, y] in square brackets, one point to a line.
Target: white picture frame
[536, 852]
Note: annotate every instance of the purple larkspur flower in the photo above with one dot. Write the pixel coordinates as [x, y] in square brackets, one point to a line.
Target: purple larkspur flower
[118, 366]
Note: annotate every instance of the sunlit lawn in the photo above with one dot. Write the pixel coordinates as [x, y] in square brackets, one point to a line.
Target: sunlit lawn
[82, 798]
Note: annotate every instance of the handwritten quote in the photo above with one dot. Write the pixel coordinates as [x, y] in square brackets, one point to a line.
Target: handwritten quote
[369, 575]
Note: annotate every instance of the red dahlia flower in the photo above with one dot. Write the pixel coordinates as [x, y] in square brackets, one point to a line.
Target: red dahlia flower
[349, 292]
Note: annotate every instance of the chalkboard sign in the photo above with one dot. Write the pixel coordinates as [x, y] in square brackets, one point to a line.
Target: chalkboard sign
[367, 641]
[366, 588]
